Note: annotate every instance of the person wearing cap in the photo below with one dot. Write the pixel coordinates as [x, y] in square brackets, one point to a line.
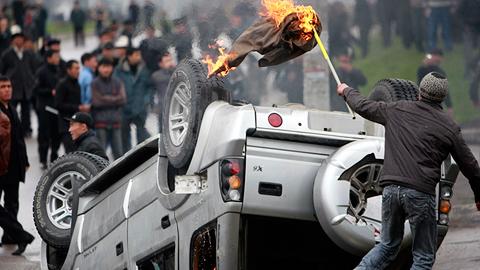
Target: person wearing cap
[16, 165]
[419, 136]
[19, 65]
[121, 46]
[431, 63]
[135, 77]
[108, 99]
[83, 136]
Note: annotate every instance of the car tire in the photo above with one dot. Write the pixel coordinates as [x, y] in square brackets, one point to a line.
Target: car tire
[56, 196]
[391, 90]
[188, 95]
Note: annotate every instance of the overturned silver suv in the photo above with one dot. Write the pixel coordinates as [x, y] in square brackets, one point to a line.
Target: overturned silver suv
[227, 186]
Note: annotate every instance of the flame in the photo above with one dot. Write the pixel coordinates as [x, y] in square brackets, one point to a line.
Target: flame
[278, 10]
[220, 64]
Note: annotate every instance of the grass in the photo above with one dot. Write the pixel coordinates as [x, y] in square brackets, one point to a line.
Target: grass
[59, 28]
[398, 62]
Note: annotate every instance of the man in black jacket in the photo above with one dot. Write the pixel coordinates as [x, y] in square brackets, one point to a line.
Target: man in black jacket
[68, 102]
[419, 136]
[83, 137]
[48, 135]
[19, 65]
[18, 165]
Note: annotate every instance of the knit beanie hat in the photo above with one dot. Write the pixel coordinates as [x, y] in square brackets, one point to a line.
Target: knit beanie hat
[434, 87]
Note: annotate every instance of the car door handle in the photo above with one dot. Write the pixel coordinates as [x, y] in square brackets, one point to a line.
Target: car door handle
[165, 222]
[270, 189]
[119, 248]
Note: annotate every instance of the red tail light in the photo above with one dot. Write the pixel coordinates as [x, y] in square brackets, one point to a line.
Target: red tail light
[275, 120]
[232, 176]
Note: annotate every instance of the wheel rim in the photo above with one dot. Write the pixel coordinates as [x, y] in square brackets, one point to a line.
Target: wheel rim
[59, 200]
[179, 113]
[365, 187]
[364, 183]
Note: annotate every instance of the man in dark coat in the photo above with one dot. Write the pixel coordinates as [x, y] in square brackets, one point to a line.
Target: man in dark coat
[68, 102]
[48, 135]
[19, 65]
[419, 136]
[19, 9]
[78, 19]
[83, 137]
[18, 161]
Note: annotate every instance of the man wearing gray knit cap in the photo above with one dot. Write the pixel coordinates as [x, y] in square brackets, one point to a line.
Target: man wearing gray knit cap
[419, 136]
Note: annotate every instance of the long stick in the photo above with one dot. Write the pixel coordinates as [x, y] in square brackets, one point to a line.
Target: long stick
[330, 65]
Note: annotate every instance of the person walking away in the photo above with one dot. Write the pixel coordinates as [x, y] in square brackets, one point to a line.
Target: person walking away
[149, 12]
[432, 63]
[5, 36]
[419, 136]
[68, 102]
[8, 222]
[386, 17]
[17, 161]
[83, 136]
[48, 134]
[363, 19]
[108, 99]
[100, 17]
[182, 38]
[136, 80]
[78, 17]
[89, 66]
[438, 13]
[19, 65]
[160, 79]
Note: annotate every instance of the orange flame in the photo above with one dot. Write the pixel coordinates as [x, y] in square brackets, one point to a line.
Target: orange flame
[220, 64]
[278, 10]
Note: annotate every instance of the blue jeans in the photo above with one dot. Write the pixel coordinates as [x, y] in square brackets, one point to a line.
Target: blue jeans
[142, 133]
[112, 137]
[440, 17]
[399, 204]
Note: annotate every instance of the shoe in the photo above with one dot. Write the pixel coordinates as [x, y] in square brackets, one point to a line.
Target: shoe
[23, 246]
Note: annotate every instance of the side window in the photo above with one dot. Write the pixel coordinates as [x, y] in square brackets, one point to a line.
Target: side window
[203, 248]
[163, 259]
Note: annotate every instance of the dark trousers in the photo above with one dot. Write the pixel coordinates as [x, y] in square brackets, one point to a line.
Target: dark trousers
[9, 189]
[399, 204]
[79, 36]
[48, 135]
[364, 33]
[13, 228]
[25, 114]
[439, 18]
[418, 29]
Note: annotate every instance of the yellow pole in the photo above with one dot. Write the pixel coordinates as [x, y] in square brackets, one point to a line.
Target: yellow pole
[330, 65]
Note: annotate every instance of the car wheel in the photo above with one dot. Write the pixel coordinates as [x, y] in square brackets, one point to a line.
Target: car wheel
[391, 90]
[56, 196]
[188, 94]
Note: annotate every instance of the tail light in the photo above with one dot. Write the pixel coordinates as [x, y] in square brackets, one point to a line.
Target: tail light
[232, 179]
[444, 205]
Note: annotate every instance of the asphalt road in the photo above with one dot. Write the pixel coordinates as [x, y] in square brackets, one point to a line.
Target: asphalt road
[459, 250]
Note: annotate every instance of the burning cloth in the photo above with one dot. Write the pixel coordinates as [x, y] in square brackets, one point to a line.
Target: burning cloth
[280, 35]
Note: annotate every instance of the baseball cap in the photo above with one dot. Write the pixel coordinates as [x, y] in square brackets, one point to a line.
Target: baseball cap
[81, 117]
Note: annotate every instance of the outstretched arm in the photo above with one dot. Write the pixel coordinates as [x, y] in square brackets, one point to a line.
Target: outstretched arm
[372, 110]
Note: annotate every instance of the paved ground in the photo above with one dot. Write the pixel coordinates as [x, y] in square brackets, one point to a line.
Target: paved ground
[459, 250]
